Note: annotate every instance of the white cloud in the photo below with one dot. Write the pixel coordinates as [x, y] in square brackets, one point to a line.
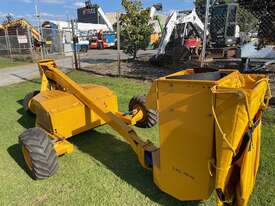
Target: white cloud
[50, 15]
[44, 1]
[52, 1]
[3, 14]
[75, 4]
[79, 4]
[26, 1]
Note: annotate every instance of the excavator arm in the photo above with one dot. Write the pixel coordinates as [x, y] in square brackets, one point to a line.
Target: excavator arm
[173, 20]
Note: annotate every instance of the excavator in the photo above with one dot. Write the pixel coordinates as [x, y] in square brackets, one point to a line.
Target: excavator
[22, 24]
[264, 11]
[182, 34]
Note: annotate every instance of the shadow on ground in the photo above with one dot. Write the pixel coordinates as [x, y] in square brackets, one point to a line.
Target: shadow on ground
[26, 79]
[27, 121]
[15, 152]
[138, 69]
[118, 157]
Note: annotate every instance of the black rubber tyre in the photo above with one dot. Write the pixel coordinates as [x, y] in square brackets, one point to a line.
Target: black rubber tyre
[100, 46]
[84, 49]
[161, 60]
[41, 159]
[150, 116]
[272, 102]
[27, 99]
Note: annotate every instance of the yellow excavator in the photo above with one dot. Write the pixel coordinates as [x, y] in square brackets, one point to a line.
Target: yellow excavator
[209, 120]
[22, 23]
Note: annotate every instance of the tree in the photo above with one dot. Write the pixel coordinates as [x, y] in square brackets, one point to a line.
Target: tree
[135, 27]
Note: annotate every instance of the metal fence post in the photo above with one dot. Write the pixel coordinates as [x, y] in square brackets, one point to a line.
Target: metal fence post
[118, 44]
[60, 32]
[30, 43]
[203, 53]
[8, 43]
[75, 41]
[19, 45]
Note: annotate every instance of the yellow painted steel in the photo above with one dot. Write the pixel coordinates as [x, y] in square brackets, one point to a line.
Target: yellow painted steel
[66, 108]
[202, 128]
[186, 136]
[65, 116]
[63, 147]
[24, 24]
[27, 158]
[195, 156]
[237, 103]
[131, 119]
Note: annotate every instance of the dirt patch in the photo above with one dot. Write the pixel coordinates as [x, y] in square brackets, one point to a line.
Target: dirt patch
[138, 69]
[144, 70]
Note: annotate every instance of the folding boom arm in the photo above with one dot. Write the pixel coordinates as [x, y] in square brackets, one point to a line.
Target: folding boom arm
[49, 71]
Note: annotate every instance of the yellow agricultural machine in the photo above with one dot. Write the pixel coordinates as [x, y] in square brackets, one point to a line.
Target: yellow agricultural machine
[210, 125]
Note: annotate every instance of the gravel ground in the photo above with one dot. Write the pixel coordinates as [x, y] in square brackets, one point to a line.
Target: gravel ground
[104, 62]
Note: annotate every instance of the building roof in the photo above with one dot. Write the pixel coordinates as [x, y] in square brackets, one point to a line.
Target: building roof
[84, 27]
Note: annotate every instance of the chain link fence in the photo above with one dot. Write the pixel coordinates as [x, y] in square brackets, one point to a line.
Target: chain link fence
[19, 44]
[240, 34]
[243, 29]
[16, 44]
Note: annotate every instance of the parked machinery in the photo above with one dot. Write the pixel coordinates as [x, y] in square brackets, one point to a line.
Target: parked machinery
[181, 37]
[102, 40]
[209, 129]
[22, 24]
[223, 41]
[156, 22]
[264, 11]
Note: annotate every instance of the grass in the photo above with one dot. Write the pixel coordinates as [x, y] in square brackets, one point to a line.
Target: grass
[103, 170]
[6, 62]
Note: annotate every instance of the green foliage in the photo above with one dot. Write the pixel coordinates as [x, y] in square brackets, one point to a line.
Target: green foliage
[246, 20]
[135, 27]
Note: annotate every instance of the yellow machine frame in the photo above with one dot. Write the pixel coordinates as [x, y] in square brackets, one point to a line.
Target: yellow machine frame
[191, 161]
[118, 121]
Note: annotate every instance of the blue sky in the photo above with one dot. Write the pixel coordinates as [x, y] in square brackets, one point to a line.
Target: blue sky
[63, 9]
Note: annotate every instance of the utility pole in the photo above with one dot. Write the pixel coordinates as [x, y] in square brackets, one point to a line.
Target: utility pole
[37, 11]
[118, 44]
[203, 53]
